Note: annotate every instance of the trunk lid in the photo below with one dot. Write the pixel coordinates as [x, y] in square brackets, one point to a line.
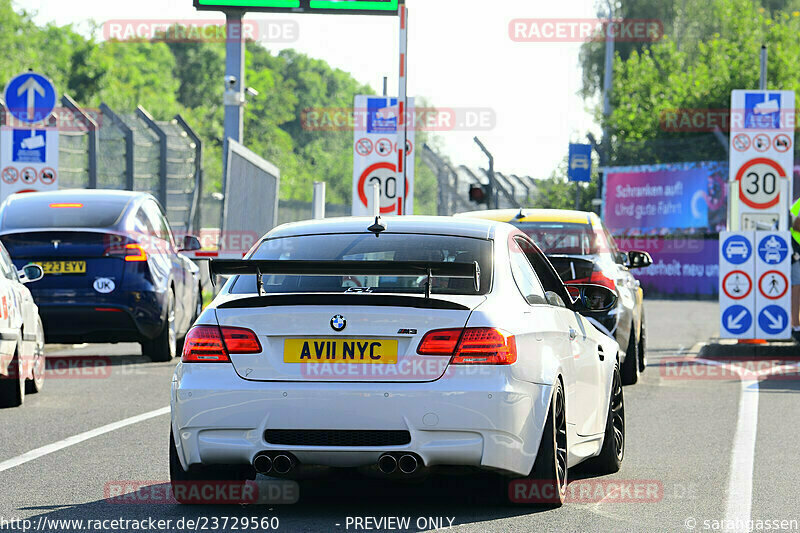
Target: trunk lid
[377, 339]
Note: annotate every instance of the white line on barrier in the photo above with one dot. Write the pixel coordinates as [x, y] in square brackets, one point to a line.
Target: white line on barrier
[80, 437]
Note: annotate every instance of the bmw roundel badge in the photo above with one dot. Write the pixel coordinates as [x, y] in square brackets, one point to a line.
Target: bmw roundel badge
[338, 323]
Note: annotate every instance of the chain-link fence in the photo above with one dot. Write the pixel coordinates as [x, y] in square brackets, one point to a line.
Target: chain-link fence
[135, 152]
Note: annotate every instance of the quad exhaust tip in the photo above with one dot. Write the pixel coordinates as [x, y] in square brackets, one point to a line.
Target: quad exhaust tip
[282, 463]
[263, 464]
[408, 464]
[387, 463]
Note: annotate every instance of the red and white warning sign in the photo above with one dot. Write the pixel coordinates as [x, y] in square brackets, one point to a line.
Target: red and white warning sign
[363, 147]
[737, 284]
[10, 175]
[759, 185]
[383, 147]
[773, 284]
[761, 158]
[47, 176]
[741, 142]
[28, 159]
[379, 130]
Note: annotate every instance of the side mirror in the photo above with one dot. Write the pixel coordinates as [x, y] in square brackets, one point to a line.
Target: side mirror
[594, 298]
[30, 273]
[554, 299]
[637, 259]
[190, 243]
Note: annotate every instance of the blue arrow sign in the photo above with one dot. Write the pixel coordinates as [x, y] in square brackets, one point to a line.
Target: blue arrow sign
[736, 249]
[580, 162]
[30, 97]
[773, 249]
[737, 319]
[773, 319]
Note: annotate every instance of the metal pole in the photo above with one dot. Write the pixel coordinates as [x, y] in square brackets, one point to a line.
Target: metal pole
[577, 196]
[194, 215]
[91, 128]
[385, 86]
[127, 133]
[490, 173]
[162, 153]
[608, 81]
[376, 200]
[318, 201]
[234, 84]
[762, 84]
[402, 104]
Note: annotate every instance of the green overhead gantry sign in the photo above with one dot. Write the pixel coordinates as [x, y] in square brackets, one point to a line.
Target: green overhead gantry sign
[341, 7]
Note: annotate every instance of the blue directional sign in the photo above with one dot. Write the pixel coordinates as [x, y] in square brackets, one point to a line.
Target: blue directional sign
[580, 162]
[30, 97]
[762, 110]
[736, 249]
[773, 249]
[737, 319]
[773, 319]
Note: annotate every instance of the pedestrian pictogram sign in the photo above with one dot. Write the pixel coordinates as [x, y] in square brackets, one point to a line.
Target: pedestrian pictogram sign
[773, 284]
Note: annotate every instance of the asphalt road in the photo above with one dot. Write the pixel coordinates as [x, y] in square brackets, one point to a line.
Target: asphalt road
[686, 426]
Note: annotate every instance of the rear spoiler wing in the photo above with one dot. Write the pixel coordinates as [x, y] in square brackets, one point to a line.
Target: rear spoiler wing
[260, 267]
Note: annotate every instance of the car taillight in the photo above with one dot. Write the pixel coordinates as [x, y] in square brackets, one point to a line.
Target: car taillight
[212, 344]
[240, 340]
[129, 252]
[471, 346]
[439, 342]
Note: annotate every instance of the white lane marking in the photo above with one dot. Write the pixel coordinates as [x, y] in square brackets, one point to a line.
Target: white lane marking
[740, 480]
[80, 437]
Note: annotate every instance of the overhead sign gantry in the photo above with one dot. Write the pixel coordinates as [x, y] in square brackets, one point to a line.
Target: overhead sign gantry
[322, 7]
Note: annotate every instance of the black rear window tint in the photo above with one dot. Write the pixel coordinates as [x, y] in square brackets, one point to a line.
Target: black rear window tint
[43, 212]
[366, 247]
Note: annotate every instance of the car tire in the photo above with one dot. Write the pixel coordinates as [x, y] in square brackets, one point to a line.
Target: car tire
[549, 472]
[164, 347]
[12, 386]
[35, 384]
[630, 367]
[180, 478]
[613, 451]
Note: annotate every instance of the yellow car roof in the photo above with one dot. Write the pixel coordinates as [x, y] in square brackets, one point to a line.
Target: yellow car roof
[535, 215]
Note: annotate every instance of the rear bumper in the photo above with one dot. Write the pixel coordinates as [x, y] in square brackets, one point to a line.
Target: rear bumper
[128, 318]
[469, 418]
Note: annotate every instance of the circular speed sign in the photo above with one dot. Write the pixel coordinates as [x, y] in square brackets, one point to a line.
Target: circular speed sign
[759, 187]
[385, 175]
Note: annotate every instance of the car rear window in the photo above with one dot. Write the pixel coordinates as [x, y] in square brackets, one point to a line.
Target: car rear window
[567, 238]
[366, 247]
[47, 212]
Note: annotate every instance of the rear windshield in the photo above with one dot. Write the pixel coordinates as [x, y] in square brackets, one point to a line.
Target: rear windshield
[366, 247]
[564, 237]
[44, 212]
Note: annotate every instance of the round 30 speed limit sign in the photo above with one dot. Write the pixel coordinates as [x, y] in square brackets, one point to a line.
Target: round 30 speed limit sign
[385, 175]
[759, 185]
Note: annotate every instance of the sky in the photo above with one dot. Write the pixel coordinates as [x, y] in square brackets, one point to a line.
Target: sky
[460, 56]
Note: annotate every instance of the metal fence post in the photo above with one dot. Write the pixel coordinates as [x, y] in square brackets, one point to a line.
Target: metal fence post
[194, 216]
[91, 127]
[129, 148]
[162, 163]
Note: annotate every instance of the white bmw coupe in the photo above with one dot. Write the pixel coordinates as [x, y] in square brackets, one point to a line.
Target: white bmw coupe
[393, 346]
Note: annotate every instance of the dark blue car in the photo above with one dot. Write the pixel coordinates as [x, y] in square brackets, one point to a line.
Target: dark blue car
[113, 272]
